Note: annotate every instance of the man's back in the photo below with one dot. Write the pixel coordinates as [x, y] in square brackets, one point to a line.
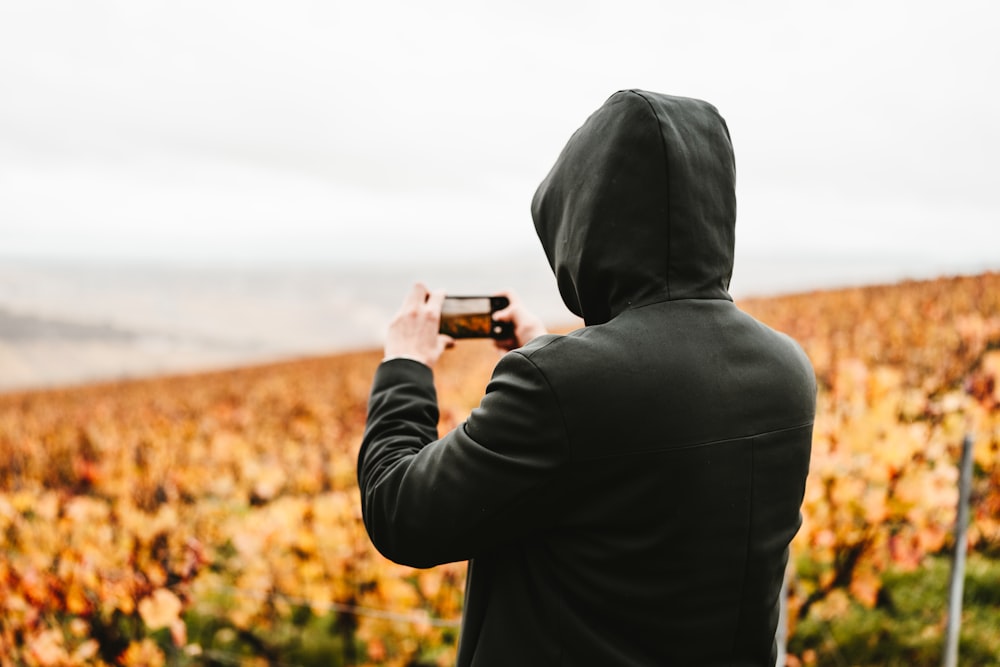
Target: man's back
[626, 493]
[688, 435]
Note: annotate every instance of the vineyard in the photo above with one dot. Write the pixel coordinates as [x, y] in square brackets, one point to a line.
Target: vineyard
[214, 519]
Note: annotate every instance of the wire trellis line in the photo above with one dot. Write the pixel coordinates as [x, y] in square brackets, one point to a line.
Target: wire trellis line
[414, 618]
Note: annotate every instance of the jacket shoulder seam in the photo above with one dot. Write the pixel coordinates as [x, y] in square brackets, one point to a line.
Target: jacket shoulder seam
[696, 444]
[552, 392]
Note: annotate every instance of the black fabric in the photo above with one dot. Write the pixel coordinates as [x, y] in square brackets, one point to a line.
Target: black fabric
[626, 493]
[640, 206]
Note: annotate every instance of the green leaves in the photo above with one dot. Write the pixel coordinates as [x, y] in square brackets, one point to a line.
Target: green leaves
[128, 509]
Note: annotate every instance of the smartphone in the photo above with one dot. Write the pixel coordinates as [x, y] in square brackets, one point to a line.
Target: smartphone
[472, 317]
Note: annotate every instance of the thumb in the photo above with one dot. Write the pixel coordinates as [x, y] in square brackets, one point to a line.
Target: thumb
[508, 312]
[504, 314]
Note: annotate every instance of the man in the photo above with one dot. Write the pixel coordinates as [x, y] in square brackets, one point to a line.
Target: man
[626, 493]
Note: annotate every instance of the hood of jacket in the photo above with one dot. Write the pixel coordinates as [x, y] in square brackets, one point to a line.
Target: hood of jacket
[640, 206]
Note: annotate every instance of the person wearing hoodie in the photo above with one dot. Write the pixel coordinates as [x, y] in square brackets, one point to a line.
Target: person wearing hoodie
[625, 494]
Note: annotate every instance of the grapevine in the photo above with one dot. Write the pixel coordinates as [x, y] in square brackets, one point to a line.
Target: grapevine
[168, 520]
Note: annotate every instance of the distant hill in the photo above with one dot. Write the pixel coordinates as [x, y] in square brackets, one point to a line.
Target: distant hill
[222, 506]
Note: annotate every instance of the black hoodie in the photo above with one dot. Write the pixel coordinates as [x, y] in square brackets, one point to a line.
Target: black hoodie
[626, 493]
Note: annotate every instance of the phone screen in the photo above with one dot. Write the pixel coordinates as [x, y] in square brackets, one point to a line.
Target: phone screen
[467, 317]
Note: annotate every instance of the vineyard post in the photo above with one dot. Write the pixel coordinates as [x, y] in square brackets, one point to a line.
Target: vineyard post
[781, 636]
[957, 581]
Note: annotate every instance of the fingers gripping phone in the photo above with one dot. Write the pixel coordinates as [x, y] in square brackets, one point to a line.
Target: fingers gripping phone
[472, 317]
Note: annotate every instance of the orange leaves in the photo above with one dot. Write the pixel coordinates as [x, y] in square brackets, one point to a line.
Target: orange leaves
[49, 648]
[866, 583]
[144, 653]
[76, 560]
[905, 372]
[233, 495]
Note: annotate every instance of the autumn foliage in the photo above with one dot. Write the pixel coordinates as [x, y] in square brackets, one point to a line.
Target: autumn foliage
[196, 519]
[905, 373]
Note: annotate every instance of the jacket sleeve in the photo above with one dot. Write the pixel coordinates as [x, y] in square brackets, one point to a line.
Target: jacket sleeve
[427, 501]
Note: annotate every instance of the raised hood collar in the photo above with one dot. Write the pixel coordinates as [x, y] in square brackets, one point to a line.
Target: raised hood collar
[640, 206]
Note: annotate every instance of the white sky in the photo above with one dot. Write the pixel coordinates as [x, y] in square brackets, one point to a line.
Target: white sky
[369, 131]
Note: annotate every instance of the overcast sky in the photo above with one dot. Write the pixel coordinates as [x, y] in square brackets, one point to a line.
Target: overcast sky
[366, 131]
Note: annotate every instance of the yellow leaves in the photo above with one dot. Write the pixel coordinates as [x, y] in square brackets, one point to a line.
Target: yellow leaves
[143, 653]
[250, 593]
[79, 627]
[8, 513]
[118, 594]
[429, 582]
[846, 490]
[86, 651]
[989, 374]
[161, 609]
[874, 506]
[117, 498]
[23, 501]
[850, 383]
[865, 585]
[46, 649]
[835, 605]
[77, 601]
[884, 383]
[46, 507]
[895, 402]
[146, 527]
[266, 479]
[975, 330]
[400, 591]
[898, 446]
[84, 509]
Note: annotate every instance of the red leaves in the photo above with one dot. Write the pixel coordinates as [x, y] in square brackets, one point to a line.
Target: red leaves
[905, 372]
[233, 494]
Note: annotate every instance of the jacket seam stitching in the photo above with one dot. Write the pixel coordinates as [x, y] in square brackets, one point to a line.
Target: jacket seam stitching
[555, 399]
[646, 304]
[666, 171]
[552, 338]
[567, 457]
[696, 445]
[746, 555]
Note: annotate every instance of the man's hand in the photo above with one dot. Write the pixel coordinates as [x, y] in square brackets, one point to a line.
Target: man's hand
[526, 325]
[414, 331]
